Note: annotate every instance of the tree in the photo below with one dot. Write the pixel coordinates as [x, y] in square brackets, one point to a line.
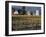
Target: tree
[23, 10]
[20, 11]
[13, 10]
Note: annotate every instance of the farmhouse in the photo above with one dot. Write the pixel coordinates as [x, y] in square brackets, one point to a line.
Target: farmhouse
[16, 12]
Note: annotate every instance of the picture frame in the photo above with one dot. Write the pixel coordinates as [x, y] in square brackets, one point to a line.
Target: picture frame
[34, 10]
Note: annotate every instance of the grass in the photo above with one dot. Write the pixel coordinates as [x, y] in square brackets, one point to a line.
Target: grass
[25, 21]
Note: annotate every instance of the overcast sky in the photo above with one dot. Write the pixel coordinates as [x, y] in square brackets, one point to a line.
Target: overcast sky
[28, 8]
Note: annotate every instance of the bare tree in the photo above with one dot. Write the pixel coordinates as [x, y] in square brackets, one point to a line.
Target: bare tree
[23, 10]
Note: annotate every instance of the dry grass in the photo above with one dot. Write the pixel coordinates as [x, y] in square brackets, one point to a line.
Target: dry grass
[26, 18]
[22, 21]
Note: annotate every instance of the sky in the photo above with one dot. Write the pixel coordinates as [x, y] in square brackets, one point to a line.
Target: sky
[28, 8]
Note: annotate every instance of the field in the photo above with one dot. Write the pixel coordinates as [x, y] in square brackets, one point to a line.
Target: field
[26, 22]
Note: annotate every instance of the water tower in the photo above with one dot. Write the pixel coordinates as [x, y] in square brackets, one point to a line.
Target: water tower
[37, 12]
[28, 12]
